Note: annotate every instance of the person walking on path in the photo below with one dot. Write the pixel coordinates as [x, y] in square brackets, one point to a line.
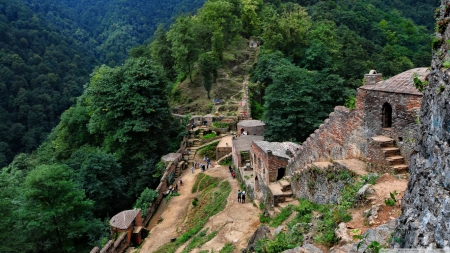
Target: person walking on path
[181, 182]
[243, 197]
[239, 195]
[192, 169]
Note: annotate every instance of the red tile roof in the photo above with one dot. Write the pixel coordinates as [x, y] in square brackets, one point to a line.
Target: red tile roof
[124, 219]
[401, 83]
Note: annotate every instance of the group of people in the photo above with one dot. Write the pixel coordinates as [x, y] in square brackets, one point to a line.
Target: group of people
[201, 165]
[241, 196]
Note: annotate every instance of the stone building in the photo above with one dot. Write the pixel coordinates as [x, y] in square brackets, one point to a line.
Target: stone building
[391, 109]
[241, 146]
[270, 160]
[129, 221]
[381, 129]
[250, 127]
[224, 147]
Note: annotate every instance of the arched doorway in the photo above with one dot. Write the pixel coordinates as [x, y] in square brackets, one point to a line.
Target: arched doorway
[256, 184]
[281, 172]
[387, 115]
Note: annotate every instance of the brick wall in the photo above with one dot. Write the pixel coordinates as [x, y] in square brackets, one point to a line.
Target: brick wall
[222, 151]
[346, 134]
[405, 109]
[251, 130]
[339, 137]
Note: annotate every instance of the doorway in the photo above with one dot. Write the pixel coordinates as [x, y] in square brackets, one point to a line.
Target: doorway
[281, 172]
[387, 115]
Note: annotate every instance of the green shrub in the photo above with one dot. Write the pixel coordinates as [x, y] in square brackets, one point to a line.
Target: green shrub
[280, 243]
[263, 218]
[143, 202]
[228, 248]
[219, 124]
[209, 150]
[203, 181]
[282, 216]
[227, 161]
[209, 136]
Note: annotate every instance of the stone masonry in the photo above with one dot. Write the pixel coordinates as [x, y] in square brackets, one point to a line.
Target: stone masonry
[425, 219]
[347, 133]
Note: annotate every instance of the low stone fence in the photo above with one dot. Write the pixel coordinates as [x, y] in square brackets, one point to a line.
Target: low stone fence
[117, 246]
[321, 185]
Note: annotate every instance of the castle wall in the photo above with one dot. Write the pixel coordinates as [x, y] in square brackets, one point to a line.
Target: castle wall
[405, 109]
[339, 137]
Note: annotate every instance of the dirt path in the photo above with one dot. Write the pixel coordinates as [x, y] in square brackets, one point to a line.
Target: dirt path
[237, 221]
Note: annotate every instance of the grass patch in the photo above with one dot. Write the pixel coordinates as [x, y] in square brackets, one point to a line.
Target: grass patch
[200, 239]
[210, 202]
[282, 216]
[203, 181]
[329, 216]
[209, 150]
[263, 218]
[228, 248]
[219, 124]
[209, 136]
[227, 161]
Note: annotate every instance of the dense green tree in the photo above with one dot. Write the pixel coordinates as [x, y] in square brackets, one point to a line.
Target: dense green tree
[296, 100]
[57, 214]
[250, 16]
[99, 174]
[286, 32]
[208, 68]
[129, 108]
[184, 47]
[161, 52]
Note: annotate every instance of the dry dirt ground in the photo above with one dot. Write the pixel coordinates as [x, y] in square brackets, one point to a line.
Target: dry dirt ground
[237, 221]
[384, 185]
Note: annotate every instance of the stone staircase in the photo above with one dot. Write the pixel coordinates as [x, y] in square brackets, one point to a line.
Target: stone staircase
[281, 191]
[391, 153]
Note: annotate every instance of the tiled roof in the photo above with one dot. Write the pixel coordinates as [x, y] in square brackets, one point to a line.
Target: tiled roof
[123, 219]
[401, 83]
[278, 148]
[244, 143]
[171, 157]
[251, 123]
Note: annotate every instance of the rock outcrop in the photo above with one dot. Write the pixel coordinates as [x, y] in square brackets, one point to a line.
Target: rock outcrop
[425, 219]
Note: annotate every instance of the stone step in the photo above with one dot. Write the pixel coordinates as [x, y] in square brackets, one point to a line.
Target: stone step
[285, 185]
[391, 151]
[401, 168]
[395, 160]
[383, 141]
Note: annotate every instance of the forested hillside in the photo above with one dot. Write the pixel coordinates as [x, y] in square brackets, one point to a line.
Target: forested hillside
[320, 54]
[109, 28]
[47, 50]
[41, 72]
[105, 150]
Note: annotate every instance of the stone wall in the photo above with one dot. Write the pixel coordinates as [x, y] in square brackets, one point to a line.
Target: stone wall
[222, 151]
[321, 185]
[339, 137]
[266, 164]
[425, 215]
[117, 246]
[405, 108]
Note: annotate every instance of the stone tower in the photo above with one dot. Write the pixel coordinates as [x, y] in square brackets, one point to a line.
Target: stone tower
[425, 219]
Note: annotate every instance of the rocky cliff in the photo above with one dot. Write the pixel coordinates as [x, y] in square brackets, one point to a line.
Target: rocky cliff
[425, 219]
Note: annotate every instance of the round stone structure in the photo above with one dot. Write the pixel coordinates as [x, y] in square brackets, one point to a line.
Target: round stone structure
[250, 127]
